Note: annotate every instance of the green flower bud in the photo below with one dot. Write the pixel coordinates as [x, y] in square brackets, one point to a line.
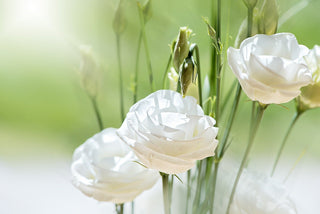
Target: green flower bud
[119, 21]
[268, 18]
[173, 81]
[310, 94]
[181, 48]
[187, 74]
[250, 3]
[88, 70]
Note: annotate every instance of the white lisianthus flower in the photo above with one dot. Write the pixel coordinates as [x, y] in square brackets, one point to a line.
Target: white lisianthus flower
[260, 194]
[104, 168]
[270, 69]
[310, 95]
[168, 132]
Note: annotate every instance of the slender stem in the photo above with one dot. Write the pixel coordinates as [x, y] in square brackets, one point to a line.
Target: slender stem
[119, 208]
[166, 193]
[213, 73]
[223, 143]
[188, 189]
[250, 20]
[198, 189]
[132, 207]
[226, 133]
[120, 78]
[214, 183]
[228, 95]
[199, 74]
[253, 113]
[135, 89]
[293, 122]
[165, 72]
[145, 42]
[218, 64]
[253, 131]
[97, 113]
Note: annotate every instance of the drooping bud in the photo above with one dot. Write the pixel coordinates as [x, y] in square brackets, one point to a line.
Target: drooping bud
[187, 75]
[250, 3]
[268, 18]
[119, 21]
[181, 48]
[310, 94]
[88, 70]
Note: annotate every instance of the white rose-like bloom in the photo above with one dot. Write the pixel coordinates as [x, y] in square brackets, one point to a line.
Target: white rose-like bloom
[104, 168]
[168, 132]
[270, 69]
[310, 95]
[260, 194]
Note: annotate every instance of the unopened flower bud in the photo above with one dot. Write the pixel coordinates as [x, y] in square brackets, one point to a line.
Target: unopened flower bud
[310, 94]
[250, 3]
[119, 21]
[181, 48]
[268, 18]
[173, 79]
[187, 74]
[88, 70]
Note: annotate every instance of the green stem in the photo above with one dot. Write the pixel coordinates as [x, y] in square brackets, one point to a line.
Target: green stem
[135, 89]
[145, 42]
[218, 64]
[97, 113]
[132, 207]
[250, 20]
[213, 73]
[226, 133]
[224, 140]
[165, 72]
[196, 201]
[120, 78]
[228, 95]
[214, 184]
[119, 208]
[293, 122]
[253, 131]
[188, 189]
[166, 193]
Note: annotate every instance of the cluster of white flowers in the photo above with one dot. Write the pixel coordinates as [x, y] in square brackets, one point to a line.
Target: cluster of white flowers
[166, 132]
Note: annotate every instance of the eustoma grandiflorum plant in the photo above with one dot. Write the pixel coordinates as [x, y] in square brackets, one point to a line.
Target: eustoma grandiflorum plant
[308, 99]
[105, 168]
[169, 133]
[270, 69]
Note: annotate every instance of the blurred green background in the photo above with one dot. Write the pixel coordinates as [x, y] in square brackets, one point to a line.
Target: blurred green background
[44, 110]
